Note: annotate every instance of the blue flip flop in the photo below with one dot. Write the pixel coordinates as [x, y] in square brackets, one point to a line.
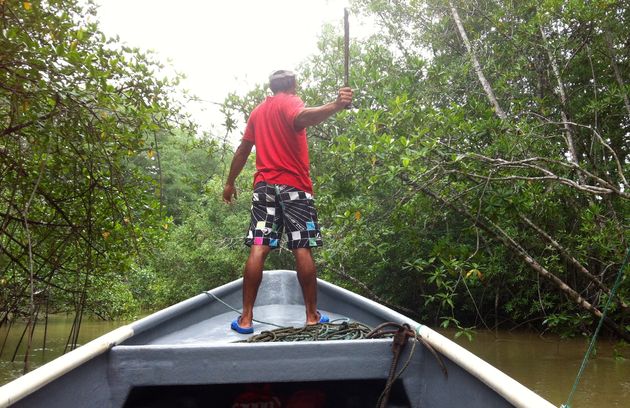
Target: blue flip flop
[237, 327]
[323, 318]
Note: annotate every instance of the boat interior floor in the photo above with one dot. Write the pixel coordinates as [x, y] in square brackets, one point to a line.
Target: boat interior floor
[217, 328]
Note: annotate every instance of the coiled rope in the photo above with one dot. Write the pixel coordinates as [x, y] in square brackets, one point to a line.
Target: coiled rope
[316, 332]
[218, 299]
[346, 330]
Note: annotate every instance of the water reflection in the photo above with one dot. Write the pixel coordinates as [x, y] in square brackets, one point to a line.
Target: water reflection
[57, 334]
[549, 365]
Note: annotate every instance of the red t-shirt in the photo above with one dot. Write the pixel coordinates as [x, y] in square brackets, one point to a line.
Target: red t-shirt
[281, 151]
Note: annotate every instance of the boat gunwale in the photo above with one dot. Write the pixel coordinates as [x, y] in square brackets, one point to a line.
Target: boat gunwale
[508, 388]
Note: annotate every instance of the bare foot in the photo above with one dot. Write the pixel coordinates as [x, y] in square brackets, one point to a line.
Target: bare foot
[316, 318]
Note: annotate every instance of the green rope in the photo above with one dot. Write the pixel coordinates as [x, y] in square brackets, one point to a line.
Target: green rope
[238, 311]
[315, 332]
[599, 326]
[218, 299]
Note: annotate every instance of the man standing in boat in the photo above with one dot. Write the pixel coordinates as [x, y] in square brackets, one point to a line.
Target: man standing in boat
[283, 191]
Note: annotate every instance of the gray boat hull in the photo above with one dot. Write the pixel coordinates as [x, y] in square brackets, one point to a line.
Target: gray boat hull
[188, 348]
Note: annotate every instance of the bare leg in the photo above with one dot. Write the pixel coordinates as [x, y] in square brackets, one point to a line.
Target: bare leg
[307, 276]
[252, 276]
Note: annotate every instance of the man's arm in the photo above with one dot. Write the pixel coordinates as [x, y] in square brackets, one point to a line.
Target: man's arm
[314, 116]
[238, 162]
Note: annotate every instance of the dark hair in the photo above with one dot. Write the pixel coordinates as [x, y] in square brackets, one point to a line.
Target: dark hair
[281, 81]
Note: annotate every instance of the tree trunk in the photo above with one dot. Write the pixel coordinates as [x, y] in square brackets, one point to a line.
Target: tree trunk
[482, 78]
[496, 232]
[573, 157]
[618, 77]
[572, 261]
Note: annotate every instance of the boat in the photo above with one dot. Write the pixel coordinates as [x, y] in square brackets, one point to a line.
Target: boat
[186, 356]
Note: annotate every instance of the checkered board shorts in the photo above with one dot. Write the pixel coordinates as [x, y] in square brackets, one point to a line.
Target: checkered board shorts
[276, 207]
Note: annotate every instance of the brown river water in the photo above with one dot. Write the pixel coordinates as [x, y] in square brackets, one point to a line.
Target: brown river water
[547, 365]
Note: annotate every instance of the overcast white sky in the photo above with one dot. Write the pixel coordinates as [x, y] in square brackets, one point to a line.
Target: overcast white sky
[223, 45]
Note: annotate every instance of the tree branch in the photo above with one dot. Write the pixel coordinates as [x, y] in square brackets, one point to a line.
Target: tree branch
[482, 78]
[563, 98]
[21, 126]
[571, 260]
[529, 163]
[613, 62]
[500, 235]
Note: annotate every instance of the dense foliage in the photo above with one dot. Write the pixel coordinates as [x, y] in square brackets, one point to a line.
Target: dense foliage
[80, 119]
[488, 161]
